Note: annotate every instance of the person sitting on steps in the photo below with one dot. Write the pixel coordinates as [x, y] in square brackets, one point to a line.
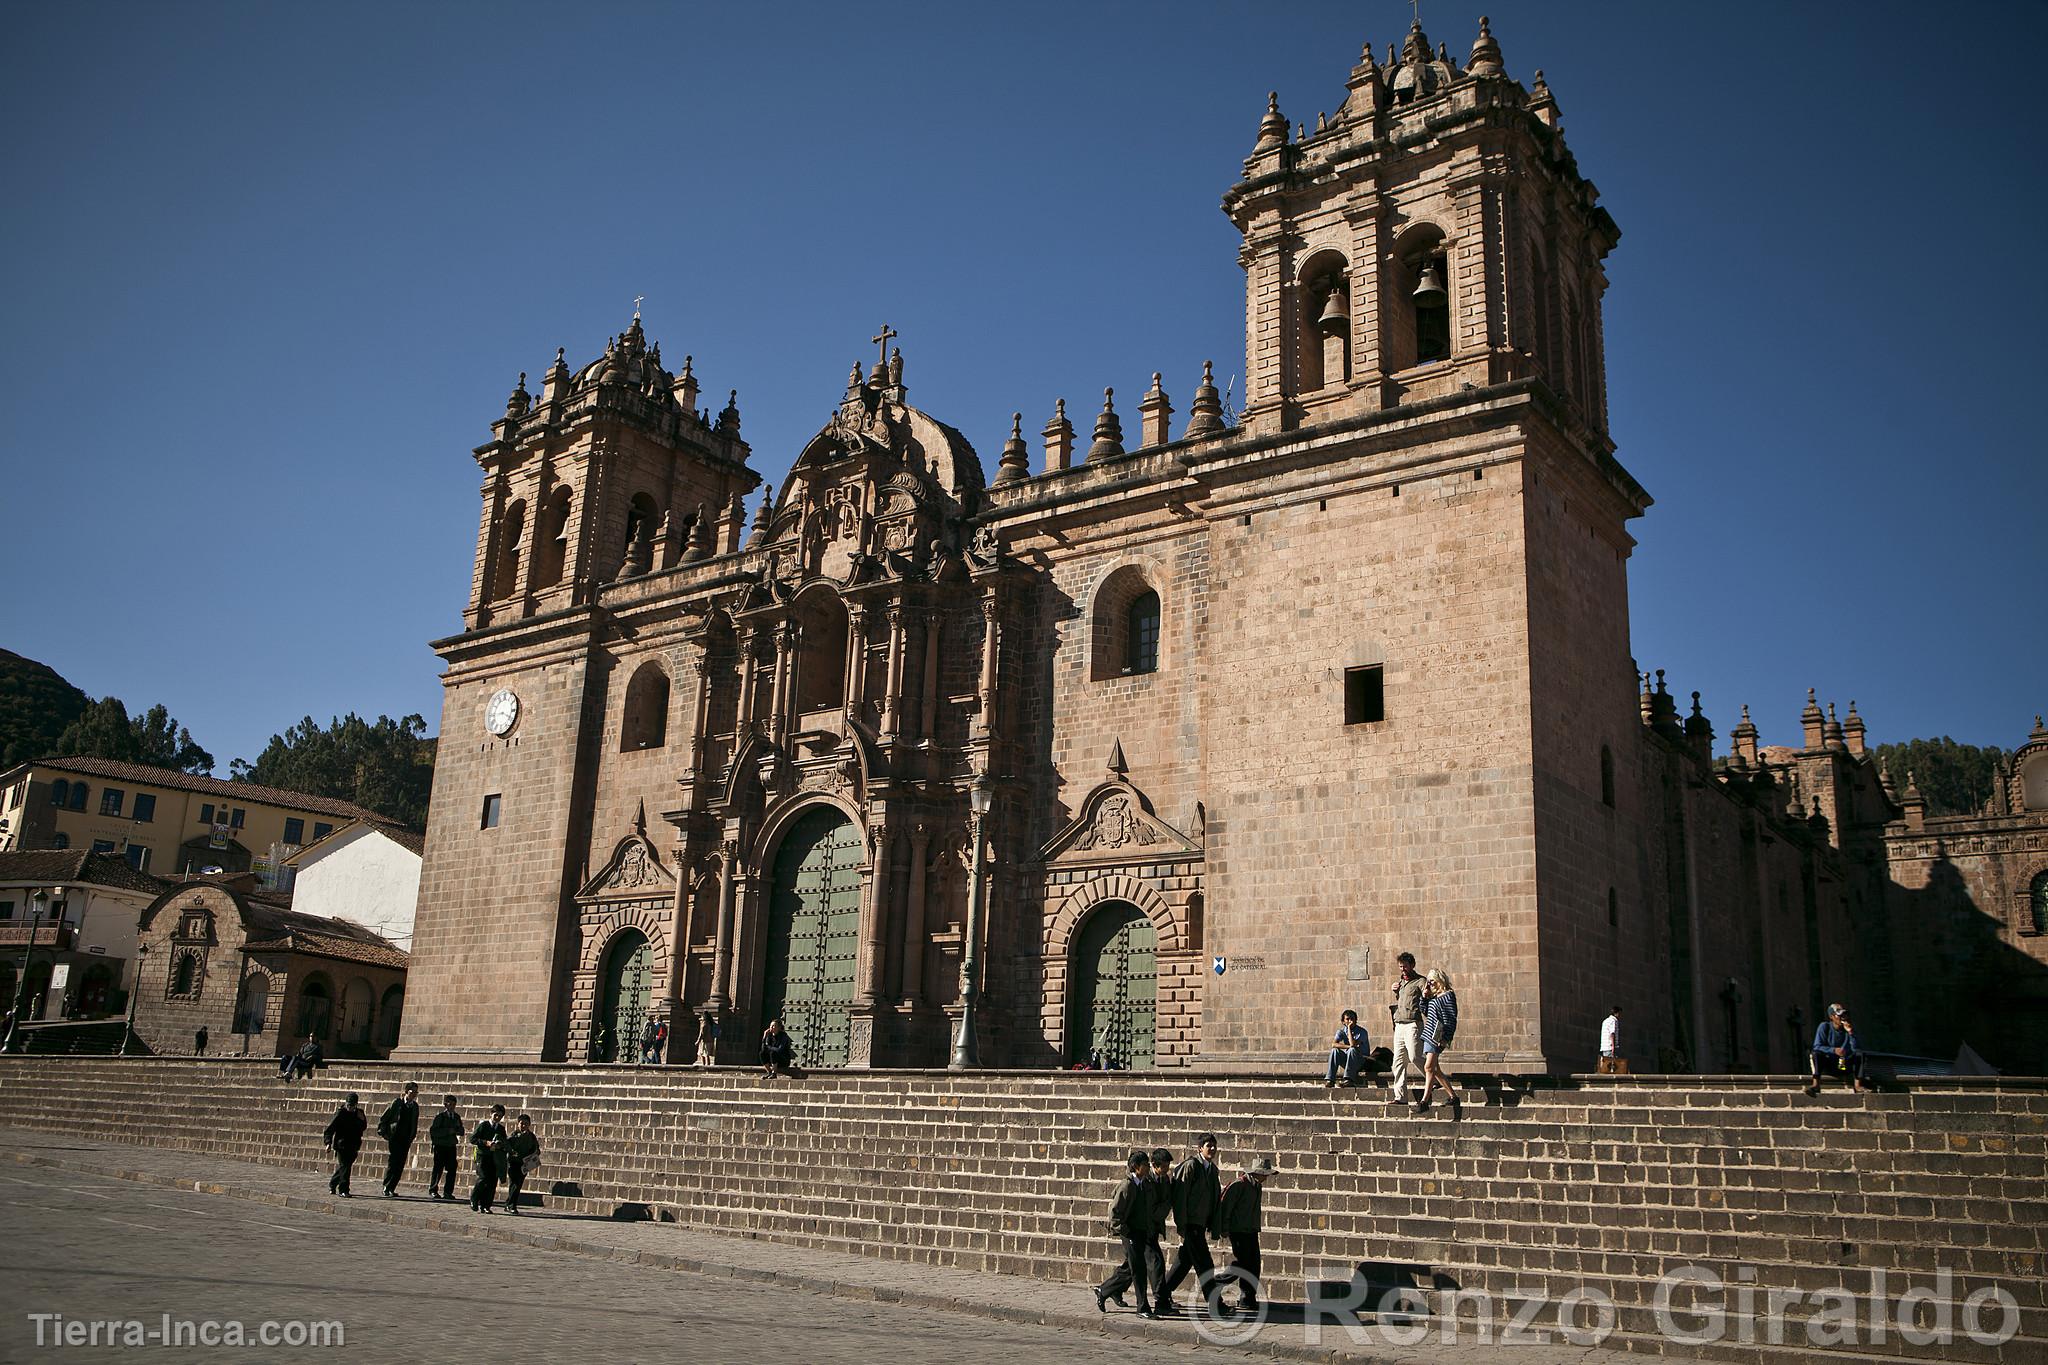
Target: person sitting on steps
[778, 1050]
[1836, 1051]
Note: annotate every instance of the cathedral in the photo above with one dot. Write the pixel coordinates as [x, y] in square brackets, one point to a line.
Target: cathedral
[1152, 747]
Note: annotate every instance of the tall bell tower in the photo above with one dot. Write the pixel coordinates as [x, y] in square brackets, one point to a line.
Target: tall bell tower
[1433, 235]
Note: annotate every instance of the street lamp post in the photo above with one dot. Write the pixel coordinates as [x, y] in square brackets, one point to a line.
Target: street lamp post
[966, 1049]
[134, 993]
[35, 919]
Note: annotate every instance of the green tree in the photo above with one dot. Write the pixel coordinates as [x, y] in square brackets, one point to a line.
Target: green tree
[383, 765]
[166, 744]
[36, 706]
[106, 730]
[1955, 778]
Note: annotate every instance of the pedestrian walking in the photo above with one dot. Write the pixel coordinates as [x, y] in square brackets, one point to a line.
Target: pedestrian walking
[1439, 1026]
[522, 1154]
[1130, 1222]
[445, 1135]
[1158, 1193]
[1611, 1061]
[1836, 1051]
[1240, 1216]
[345, 1138]
[1349, 1050]
[487, 1139]
[1406, 1012]
[1196, 1193]
[398, 1126]
[199, 1042]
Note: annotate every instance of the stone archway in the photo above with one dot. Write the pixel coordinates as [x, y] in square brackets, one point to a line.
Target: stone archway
[813, 937]
[1113, 987]
[627, 985]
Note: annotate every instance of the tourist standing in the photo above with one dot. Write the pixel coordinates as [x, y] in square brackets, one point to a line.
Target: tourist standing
[1196, 1193]
[1610, 1042]
[398, 1126]
[1349, 1050]
[345, 1138]
[487, 1139]
[649, 1033]
[446, 1137]
[1240, 1217]
[1130, 1221]
[522, 1154]
[199, 1042]
[1439, 1026]
[1406, 1009]
[1836, 1051]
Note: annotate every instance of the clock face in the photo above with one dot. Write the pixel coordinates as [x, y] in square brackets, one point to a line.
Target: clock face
[503, 711]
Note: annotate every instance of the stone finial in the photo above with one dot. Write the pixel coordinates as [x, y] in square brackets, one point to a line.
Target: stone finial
[1744, 735]
[1059, 439]
[1109, 430]
[701, 543]
[1543, 104]
[1015, 462]
[762, 518]
[1852, 730]
[1812, 724]
[1273, 127]
[2040, 731]
[729, 418]
[1117, 766]
[1832, 731]
[1205, 418]
[1485, 59]
[519, 402]
[1153, 411]
[1364, 91]
[685, 388]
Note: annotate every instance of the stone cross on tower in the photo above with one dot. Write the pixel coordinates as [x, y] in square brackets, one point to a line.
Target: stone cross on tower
[888, 334]
[637, 299]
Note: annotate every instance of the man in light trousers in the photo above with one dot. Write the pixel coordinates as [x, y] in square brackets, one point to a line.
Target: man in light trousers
[1406, 1008]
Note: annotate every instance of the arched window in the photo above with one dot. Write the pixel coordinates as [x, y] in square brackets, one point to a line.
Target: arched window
[388, 1013]
[185, 973]
[644, 722]
[642, 520]
[821, 652]
[2037, 904]
[316, 1007]
[511, 530]
[1141, 639]
[1432, 296]
[358, 1007]
[251, 1015]
[1416, 299]
[552, 543]
[60, 840]
[78, 795]
[60, 793]
[1606, 775]
[1325, 301]
[1124, 635]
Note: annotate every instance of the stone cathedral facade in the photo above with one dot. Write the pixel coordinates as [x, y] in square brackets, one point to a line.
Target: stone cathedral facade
[1252, 701]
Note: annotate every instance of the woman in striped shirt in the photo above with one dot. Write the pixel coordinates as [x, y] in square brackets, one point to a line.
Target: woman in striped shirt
[1439, 1026]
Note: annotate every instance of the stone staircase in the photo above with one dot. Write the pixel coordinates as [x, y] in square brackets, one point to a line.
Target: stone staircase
[1602, 1183]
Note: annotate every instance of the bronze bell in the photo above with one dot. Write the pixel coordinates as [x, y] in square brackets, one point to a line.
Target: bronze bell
[1336, 314]
[1429, 288]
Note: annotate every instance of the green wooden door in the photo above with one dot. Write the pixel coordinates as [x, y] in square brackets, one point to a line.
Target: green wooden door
[814, 933]
[1114, 987]
[626, 987]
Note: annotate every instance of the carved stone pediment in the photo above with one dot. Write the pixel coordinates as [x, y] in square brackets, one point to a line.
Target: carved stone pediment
[634, 872]
[1116, 824]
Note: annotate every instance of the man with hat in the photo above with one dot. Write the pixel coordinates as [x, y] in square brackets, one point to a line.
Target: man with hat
[1131, 1223]
[344, 1139]
[1196, 1193]
[1239, 1220]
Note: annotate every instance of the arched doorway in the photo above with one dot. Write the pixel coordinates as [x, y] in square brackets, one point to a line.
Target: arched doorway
[388, 1015]
[814, 934]
[316, 1007]
[94, 991]
[628, 974]
[357, 1006]
[1113, 988]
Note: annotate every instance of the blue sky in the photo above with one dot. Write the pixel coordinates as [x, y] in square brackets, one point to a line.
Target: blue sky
[268, 272]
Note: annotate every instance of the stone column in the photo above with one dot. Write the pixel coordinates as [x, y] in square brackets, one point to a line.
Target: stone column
[913, 917]
[892, 700]
[875, 916]
[750, 636]
[721, 957]
[700, 710]
[990, 631]
[928, 722]
[856, 660]
[785, 670]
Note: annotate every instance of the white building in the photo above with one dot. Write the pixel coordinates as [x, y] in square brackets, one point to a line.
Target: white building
[82, 908]
[365, 873]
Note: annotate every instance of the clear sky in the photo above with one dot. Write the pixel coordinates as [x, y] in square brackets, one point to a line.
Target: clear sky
[267, 272]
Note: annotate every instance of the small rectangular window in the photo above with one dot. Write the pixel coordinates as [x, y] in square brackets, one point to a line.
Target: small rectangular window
[206, 814]
[6, 909]
[295, 831]
[103, 845]
[321, 829]
[110, 801]
[235, 820]
[492, 804]
[145, 808]
[138, 857]
[1365, 695]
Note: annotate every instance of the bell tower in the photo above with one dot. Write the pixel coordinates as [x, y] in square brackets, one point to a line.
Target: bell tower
[613, 472]
[1431, 236]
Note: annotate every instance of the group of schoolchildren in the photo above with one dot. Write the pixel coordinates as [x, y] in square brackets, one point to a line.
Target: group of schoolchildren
[501, 1155]
[1201, 1208]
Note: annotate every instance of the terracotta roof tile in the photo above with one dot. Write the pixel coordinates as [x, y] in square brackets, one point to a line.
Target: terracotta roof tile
[77, 865]
[211, 786]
